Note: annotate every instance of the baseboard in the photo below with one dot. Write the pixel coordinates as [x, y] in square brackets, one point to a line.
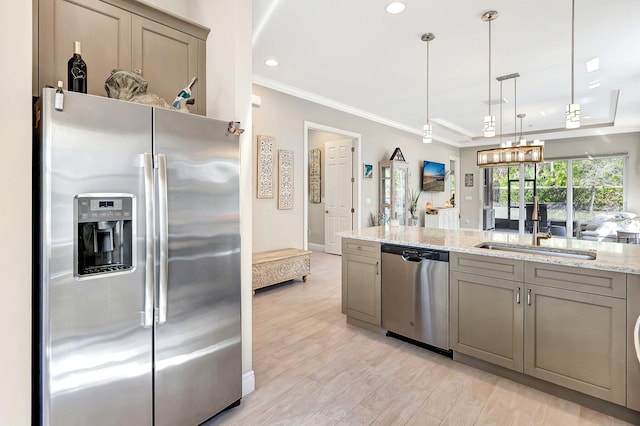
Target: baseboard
[316, 247]
[248, 383]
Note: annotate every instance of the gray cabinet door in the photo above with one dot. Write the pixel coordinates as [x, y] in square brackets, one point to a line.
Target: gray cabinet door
[487, 319]
[576, 340]
[168, 60]
[361, 288]
[168, 50]
[103, 30]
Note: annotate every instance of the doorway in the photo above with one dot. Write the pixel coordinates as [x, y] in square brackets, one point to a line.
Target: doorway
[338, 206]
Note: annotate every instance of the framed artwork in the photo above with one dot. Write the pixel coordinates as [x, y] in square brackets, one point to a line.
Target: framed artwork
[368, 171]
[314, 176]
[266, 160]
[285, 179]
[468, 179]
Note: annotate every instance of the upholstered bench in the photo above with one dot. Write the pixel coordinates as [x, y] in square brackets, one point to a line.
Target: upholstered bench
[273, 267]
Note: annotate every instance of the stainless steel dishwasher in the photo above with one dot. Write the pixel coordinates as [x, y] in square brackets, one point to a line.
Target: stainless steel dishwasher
[415, 294]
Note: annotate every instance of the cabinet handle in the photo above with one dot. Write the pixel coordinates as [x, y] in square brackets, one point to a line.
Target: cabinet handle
[529, 297]
[518, 295]
[377, 272]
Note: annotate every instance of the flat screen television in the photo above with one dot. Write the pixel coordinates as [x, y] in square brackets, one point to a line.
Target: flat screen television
[433, 176]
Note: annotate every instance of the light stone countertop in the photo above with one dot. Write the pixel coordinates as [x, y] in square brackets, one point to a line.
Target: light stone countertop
[610, 256]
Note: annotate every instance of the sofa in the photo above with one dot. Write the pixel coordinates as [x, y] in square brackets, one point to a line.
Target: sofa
[605, 227]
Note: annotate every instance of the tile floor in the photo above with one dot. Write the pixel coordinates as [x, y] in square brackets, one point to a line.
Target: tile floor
[312, 368]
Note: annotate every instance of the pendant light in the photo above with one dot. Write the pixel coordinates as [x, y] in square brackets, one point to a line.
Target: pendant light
[427, 129]
[489, 125]
[573, 109]
[511, 154]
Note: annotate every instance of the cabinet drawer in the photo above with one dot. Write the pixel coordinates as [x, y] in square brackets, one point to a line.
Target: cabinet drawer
[488, 266]
[591, 281]
[361, 248]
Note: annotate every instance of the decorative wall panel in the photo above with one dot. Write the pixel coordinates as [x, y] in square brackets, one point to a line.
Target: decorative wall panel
[266, 160]
[285, 179]
[314, 176]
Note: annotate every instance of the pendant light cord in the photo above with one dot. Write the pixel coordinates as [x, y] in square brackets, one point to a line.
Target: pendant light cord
[501, 113]
[515, 110]
[428, 82]
[573, 18]
[490, 67]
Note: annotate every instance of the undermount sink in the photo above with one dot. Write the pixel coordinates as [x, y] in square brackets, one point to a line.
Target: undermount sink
[546, 251]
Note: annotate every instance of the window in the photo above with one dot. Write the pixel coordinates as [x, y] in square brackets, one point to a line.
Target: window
[594, 185]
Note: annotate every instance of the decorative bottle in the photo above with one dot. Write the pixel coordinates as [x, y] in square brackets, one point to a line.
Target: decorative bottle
[77, 71]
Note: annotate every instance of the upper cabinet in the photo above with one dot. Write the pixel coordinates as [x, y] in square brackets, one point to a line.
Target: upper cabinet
[120, 34]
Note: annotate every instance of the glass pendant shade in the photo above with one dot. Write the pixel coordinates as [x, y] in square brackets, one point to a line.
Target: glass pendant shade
[427, 133]
[489, 127]
[573, 116]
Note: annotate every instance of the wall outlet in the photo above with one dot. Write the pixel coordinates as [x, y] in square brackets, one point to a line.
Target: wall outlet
[468, 197]
[367, 201]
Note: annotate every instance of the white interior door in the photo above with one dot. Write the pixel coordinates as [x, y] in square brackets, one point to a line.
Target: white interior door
[338, 172]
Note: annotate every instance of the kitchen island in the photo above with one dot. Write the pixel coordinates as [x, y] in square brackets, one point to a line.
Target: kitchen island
[561, 324]
[609, 256]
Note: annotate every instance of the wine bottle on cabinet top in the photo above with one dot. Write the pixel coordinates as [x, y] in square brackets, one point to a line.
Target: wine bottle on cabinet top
[77, 71]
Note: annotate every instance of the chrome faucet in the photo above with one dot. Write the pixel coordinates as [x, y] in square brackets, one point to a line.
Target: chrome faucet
[535, 218]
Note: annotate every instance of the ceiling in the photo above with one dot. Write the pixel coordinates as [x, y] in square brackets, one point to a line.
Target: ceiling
[354, 56]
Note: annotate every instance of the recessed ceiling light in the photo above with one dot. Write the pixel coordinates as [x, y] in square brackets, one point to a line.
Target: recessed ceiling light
[395, 7]
[594, 84]
[542, 113]
[593, 65]
[271, 62]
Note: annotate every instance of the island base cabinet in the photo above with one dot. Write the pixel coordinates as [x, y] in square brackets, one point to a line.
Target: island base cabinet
[487, 319]
[633, 363]
[361, 283]
[576, 340]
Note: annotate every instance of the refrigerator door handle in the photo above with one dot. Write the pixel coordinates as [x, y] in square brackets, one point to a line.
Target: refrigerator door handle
[164, 239]
[149, 276]
[636, 337]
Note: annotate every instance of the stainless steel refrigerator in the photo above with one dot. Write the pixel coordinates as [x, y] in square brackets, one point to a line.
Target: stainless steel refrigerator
[136, 264]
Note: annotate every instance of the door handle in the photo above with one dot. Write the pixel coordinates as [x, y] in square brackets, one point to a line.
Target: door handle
[163, 223]
[326, 211]
[518, 295]
[636, 337]
[528, 296]
[149, 274]
[377, 270]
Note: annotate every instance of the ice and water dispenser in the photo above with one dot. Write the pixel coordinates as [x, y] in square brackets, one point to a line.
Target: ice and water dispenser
[105, 234]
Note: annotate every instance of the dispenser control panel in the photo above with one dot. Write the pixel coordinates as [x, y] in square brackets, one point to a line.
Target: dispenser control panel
[91, 209]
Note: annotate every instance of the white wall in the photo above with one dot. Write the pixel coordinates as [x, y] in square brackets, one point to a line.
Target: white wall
[624, 143]
[282, 116]
[15, 214]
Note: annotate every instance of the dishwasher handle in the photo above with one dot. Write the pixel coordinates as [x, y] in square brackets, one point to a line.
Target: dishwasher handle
[415, 254]
[412, 256]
